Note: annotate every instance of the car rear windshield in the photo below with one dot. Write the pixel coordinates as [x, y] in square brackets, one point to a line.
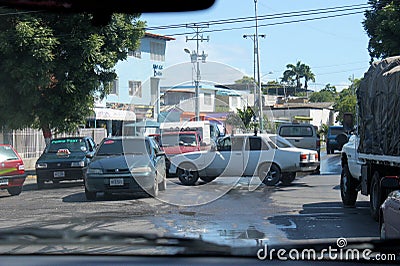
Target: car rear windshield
[296, 131]
[73, 145]
[126, 146]
[336, 131]
[7, 154]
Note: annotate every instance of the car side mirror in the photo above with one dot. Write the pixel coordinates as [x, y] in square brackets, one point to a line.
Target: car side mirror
[160, 153]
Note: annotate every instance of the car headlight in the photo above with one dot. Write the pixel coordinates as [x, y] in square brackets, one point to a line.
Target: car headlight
[41, 165]
[95, 171]
[142, 169]
[78, 164]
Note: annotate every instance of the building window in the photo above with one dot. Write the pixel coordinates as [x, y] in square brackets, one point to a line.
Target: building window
[135, 88]
[207, 98]
[157, 51]
[135, 53]
[114, 87]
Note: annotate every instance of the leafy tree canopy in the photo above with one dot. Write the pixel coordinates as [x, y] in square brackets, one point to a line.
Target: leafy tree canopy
[327, 94]
[245, 80]
[382, 24]
[346, 101]
[54, 65]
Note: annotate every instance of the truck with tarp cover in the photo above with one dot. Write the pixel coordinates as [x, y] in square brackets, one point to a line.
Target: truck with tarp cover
[371, 160]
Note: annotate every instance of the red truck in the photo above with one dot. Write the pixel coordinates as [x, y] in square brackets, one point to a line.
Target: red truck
[177, 142]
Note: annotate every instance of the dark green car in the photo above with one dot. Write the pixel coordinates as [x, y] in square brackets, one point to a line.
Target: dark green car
[64, 159]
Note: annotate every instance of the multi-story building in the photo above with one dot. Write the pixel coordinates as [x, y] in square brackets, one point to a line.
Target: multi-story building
[135, 93]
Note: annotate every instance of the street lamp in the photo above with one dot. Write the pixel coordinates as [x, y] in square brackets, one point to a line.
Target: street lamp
[194, 58]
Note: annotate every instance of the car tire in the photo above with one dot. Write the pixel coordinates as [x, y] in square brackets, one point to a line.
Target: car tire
[269, 175]
[163, 184]
[14, 191]
[187, 174]
[207, 179]
[154, 190]
[90, 195]
[39, 182]
[288, 178]
[348, 187]
[375, 198]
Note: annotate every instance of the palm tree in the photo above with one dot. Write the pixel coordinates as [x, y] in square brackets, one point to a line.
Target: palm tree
[294, 72]
[308, 75]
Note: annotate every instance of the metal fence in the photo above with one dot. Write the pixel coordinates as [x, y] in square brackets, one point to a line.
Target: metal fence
[30, 143]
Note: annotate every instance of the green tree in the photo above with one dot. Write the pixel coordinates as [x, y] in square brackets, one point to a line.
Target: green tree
[382, 24]
[308, 75]
[327, 94]
[245, 80]
[345, 103]
[296, 73]
[53, 66]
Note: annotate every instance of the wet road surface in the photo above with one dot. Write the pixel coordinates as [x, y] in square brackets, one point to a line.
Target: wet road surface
[309, 208]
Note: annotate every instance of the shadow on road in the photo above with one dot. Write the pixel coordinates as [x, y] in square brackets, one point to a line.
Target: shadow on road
[48, 186]
[80, 197]
[328, 220]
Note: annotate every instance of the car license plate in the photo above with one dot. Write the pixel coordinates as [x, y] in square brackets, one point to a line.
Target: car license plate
[59, 174]
[3, 182]
[116, 182]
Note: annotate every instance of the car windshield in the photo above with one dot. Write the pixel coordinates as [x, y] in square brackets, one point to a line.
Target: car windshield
[73, 145]
[178, 139]
[146, 131]
[125, 146]
[336, 131]
[7, 153]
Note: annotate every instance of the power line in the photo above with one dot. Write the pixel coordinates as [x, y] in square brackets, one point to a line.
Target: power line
[266, 17]
[274, 24]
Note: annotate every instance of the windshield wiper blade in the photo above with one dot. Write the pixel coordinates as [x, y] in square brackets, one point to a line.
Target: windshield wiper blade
[32, 236]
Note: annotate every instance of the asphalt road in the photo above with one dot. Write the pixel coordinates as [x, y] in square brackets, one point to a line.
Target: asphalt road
[310, 208]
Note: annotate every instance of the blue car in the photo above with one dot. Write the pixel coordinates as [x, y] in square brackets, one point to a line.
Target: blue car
[331, 141]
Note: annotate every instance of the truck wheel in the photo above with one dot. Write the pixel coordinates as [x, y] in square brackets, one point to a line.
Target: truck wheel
[187, 174]
[348, 190]
[375, 197]
[287, 178]
[269, 175]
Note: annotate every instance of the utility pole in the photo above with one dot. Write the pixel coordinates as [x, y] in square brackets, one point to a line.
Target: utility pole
[198, 37]
[255, 88]
[260, 95]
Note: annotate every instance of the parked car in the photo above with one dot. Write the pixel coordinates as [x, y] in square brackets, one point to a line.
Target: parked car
[331, 142]
[390, 216]
[12, 170]
[177, 142]
[64, 159]
[243, 155]
[126, 165]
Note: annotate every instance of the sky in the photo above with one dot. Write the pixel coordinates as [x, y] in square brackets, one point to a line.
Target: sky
[334, 48]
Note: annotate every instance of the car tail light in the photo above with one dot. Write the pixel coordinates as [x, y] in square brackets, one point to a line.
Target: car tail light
[318, 143]
[316, 157]
[303, 157]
